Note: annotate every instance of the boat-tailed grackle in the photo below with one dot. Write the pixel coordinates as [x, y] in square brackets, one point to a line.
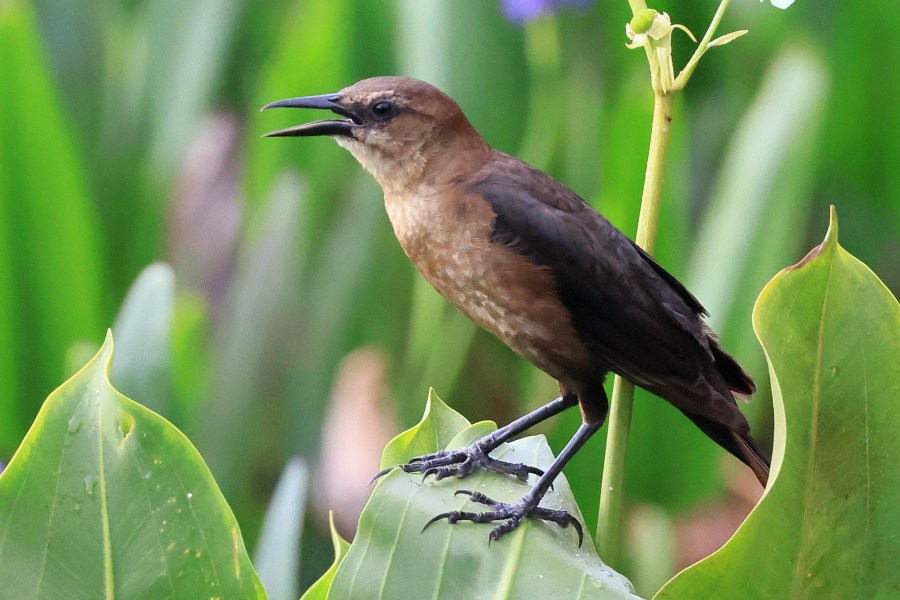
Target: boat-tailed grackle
[527, 259]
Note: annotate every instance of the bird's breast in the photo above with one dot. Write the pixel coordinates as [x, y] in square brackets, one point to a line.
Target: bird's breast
[448, 238]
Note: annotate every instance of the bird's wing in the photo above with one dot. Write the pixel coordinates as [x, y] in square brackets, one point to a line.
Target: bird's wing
[637, 318]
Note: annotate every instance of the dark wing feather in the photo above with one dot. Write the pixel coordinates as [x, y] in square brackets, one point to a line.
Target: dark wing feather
[636, 318]
[676, 285]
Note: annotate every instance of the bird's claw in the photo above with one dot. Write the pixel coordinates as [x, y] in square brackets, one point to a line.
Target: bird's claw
[460, 463]
[381, 474]
[511, 515]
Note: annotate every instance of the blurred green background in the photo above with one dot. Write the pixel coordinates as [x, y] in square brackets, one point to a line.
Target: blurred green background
[130, 133]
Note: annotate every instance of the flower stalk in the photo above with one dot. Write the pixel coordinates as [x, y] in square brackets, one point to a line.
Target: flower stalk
[653, 31]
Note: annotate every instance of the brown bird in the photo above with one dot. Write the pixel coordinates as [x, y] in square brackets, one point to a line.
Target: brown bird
[527, 259]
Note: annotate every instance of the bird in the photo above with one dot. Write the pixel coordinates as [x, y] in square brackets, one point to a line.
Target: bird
[527, 259]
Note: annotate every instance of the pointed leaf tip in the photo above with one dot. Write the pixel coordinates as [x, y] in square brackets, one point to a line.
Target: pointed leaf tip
[829, 243]
[128, 495]
[319, 590]
[339, 544]
[831, 335]
[106, 350]
[438, 426]
[727, 38]
[103, 356]
[831, 236]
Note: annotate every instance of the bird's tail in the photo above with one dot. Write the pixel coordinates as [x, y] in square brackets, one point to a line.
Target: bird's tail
[751, 455]
[741, 445]
[735, 376]
[739, 382]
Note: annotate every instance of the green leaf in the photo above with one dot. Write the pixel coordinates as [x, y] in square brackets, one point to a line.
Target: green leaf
[141, 367]
[727, 38]
[51, 271]
[438, 426]
[277, 555]
[392, 557]
[167, 71]
[106, 499]
[831, 332]
[470, 434]
[316, 62]
[319, 590]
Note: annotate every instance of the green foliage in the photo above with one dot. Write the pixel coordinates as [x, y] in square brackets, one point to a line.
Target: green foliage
[110, 132]
[392, 557]
[760, 199]
[141, 369]
[319, 590]
[438, 426]
[831, 332]
[106, 499]
[254, 309]
[277, 558]
[50, 253]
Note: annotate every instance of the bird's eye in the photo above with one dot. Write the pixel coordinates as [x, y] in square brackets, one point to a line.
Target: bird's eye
[383, 109]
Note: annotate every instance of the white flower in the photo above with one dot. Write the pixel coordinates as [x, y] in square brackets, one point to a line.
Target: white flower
[649, 24]
[780, 3]
[653, 30]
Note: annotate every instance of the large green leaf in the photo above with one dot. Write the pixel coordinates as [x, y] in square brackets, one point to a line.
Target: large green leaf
[106, 499]
[392, 557]
[828, 525]
[50, 267]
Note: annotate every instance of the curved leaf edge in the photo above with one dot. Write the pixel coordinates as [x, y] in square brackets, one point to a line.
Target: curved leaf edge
[423, 437]
[90, 371]
[780, 433]
[829, 249]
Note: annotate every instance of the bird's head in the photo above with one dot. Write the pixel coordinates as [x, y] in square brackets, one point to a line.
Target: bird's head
[394, 126]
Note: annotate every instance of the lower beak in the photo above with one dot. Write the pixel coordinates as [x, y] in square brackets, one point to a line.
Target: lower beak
[342, 127]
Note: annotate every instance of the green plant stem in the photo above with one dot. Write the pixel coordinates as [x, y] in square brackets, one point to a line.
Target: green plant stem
[612, 491]
[637, 5]
[688, 70]
[648, 222]
[612, 496]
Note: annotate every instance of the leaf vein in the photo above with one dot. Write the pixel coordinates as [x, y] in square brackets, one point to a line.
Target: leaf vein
[814, 431]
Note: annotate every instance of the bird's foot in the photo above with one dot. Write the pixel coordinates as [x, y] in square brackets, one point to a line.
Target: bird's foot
[460, 463]
[512, 515]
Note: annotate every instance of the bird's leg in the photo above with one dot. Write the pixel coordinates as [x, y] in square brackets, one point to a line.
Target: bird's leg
[512, 515]
[462, 462]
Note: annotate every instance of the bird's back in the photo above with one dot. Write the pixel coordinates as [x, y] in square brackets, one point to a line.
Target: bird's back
[633, 317]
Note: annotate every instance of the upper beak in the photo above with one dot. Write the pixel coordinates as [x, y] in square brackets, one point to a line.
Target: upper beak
[329, 127]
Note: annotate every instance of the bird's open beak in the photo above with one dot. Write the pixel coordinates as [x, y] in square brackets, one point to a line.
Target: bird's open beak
[343, 127]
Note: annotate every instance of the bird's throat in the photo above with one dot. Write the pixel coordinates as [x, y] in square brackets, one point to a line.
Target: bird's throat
[394, 174]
